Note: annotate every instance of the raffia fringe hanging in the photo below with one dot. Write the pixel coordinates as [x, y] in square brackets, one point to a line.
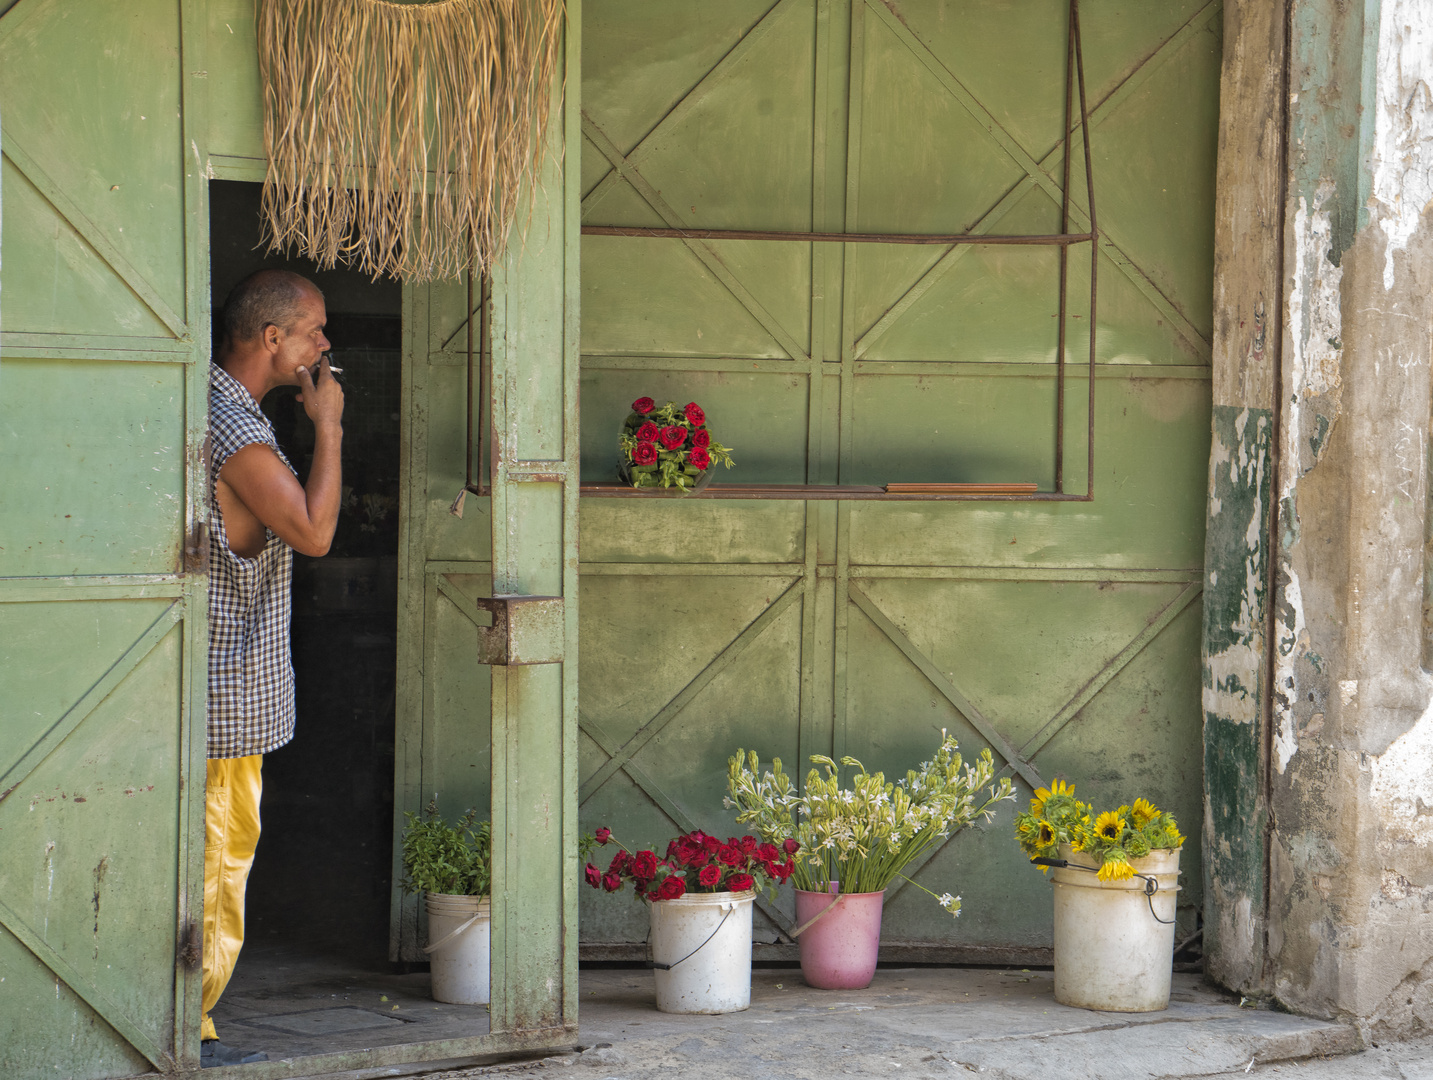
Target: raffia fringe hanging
[400, 135]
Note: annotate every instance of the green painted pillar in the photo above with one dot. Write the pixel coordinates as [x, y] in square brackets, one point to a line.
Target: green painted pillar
[534, 553]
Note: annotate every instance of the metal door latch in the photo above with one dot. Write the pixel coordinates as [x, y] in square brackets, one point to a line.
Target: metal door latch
[525, 630]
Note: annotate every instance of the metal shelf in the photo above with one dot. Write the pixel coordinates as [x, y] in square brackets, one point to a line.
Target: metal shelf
[1074, 87]
[611, 489]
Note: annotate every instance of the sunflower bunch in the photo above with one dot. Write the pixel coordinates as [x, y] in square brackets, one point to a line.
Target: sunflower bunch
[865, 834]
[1114, 837]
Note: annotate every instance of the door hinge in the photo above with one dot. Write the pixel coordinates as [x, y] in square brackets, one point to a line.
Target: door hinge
[191, 945]
[196, 550]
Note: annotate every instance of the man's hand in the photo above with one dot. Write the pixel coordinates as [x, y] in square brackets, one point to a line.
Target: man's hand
[323, 402]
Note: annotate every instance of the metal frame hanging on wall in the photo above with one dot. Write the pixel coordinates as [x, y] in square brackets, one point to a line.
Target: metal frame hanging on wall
[483, 485]
[904, 492]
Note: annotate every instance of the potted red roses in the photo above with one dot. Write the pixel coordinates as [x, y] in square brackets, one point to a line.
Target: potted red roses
[701, 895]
[695, 862]
[668, 447]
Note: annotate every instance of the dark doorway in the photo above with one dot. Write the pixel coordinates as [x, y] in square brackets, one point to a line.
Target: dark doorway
[314, 974]
[322, 874]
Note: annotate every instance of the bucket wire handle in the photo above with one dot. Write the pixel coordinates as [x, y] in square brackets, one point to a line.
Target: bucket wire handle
[1151, 885]
[451, 935]
[811, 921]
[668, 967]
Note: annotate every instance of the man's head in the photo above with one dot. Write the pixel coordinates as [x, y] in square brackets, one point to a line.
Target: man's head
[265, 298]
[278, 316]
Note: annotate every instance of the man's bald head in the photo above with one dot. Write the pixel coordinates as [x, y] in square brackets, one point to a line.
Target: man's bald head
[265, 297]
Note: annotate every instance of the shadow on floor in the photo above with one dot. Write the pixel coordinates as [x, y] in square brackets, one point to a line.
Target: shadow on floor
[291, 999]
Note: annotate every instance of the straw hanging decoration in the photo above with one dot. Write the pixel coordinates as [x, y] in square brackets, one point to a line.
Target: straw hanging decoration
[399, 136]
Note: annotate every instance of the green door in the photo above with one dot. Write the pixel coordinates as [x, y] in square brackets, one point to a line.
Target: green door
[444, 744]
[102, 631]
[1065, 636]
[443, 747]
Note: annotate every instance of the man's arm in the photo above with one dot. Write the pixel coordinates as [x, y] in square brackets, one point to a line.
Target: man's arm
[303, 516]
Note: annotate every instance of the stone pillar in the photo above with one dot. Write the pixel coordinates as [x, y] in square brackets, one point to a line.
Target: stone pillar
[1348, 738]
[1247, 306]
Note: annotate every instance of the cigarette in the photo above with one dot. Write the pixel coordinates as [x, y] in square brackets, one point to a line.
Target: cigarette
[335, 370]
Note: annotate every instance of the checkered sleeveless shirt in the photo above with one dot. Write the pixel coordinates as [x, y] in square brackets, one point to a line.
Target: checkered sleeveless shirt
[251, 679]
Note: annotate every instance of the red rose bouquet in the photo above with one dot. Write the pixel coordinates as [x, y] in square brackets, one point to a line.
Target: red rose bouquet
[668, 447]
[695, 863]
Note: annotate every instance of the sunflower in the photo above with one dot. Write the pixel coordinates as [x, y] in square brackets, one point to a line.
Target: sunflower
[1143, 813]
[1043, 795]
[1047, 834]
[1109, 825]
[1166, 833]
[1115, 870]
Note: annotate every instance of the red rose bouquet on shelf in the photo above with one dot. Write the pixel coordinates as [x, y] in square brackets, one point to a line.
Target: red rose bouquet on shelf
[668, 447]
[694, 863]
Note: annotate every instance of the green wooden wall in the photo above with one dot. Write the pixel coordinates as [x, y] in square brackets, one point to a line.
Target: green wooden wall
[103, 382]
[1068, 631]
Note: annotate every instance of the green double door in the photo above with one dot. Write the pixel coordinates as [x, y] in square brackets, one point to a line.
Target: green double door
[1064, 636]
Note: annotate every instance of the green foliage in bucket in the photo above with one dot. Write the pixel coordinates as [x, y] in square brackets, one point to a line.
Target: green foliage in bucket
[865, 835]
[455, 860]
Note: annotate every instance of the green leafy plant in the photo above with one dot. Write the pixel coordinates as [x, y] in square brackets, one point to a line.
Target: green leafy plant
[452, 859]
[1111, 838]
[864, 835]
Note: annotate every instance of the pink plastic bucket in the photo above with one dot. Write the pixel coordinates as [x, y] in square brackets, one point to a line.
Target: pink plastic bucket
[838, 950]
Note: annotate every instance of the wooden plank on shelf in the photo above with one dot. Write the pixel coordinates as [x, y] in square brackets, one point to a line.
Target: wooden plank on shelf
[961, 489]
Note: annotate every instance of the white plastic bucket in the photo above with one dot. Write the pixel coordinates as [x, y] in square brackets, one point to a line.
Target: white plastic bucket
[460, 929]
[1111, 953]
[706, 940]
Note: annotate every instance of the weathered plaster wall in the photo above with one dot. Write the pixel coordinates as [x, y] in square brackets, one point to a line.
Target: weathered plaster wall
[1247, 306]
[1350, 766]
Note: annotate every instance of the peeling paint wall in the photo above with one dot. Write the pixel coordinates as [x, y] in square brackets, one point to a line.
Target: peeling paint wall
[1402, 158]
[1350, 769]
[1236, 561]
[1318, 611]
[1248, 313]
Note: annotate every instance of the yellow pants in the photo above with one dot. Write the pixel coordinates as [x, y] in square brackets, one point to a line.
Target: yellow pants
[231, 826]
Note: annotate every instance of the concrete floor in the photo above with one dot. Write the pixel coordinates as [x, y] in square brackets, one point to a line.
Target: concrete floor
[916, 1023]
[913, 1023]
[291, 1002]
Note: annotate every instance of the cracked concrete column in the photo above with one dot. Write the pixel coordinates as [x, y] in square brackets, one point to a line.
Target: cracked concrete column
[1247, 319]
[1346, 753]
